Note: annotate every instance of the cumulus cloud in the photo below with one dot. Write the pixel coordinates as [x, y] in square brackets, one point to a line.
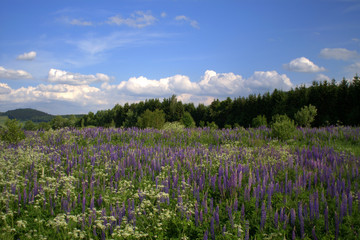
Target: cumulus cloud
[139, 19]
[148, 87]
[192, 22]
[60, 76]
[27, 56]
[13, 74]
[230, 84]
[73, 89]
[322, 77]
[303, 64]
[83, 95]
[4, 88]
[338, 53]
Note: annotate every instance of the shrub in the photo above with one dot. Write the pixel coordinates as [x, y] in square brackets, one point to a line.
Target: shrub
[282, 127]
[306, 115]
[12, 133]
[30, 126]
[187, 120]
[259, 120]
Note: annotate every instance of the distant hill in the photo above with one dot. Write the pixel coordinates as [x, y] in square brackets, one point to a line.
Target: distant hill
[25, 114]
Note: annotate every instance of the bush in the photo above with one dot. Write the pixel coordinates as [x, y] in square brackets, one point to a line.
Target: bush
[306, 115]
[30, 126]
[187, 120]
[12, 133]
[282, 127]
[259, 120]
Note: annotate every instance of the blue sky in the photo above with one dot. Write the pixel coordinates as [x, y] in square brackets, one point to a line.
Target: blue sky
[65, 57]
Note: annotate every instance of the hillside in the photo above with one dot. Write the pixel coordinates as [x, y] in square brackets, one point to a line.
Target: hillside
[25, 114]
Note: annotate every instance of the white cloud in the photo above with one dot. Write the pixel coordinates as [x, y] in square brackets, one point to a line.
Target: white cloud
[73, 90]
[354, 68]
[303, 64]
[322, 77]
[27, 56]
[81, 95]
[139, 19]
[146, 87]
[4, 88]
[60, 76]
[13, 74]
[193, 23]
[95, 45]
[338, 53]
[230, 84]
[268, 81]
[79, 22]
[163, 14]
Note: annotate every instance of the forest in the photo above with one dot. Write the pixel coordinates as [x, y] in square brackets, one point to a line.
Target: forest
[337, 103]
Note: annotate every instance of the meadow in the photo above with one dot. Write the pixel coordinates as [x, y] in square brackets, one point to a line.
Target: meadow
[200, 183]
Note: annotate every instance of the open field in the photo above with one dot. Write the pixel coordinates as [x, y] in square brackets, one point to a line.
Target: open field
[99, 183]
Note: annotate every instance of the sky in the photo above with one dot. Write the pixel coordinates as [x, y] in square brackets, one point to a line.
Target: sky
[76, 56]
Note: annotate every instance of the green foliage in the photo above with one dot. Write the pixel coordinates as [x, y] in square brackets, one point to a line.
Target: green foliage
[212, 125]
[306, 115]
[30, 126]
[173, 126]
[259, 120]
[149, 119]
[44, 126]
[12, 133]
[187, 120]
[282, 127]
[58, 122]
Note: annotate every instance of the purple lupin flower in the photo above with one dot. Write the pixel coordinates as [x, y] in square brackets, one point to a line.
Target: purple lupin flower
[83, 204]
[292, 216]
[243, 211]
[212, 228]
[276, 219]
[337, 225]
[301, 220]
[350, 199]
[205, 235]
[217, 215]
[247, 230]
[326, 218]
[314, 234]
[263, 215]
[293, 237]
[196, 213]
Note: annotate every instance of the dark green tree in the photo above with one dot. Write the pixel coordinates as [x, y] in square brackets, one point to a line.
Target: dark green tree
[149, 119]
[187, 120]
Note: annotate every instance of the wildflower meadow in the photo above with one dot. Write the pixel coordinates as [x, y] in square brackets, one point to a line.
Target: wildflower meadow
[196, 183]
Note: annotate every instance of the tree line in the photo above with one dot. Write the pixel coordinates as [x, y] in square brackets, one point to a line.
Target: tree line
[335, 103]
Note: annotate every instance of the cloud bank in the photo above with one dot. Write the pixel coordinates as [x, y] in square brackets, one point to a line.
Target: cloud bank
[74, 89]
